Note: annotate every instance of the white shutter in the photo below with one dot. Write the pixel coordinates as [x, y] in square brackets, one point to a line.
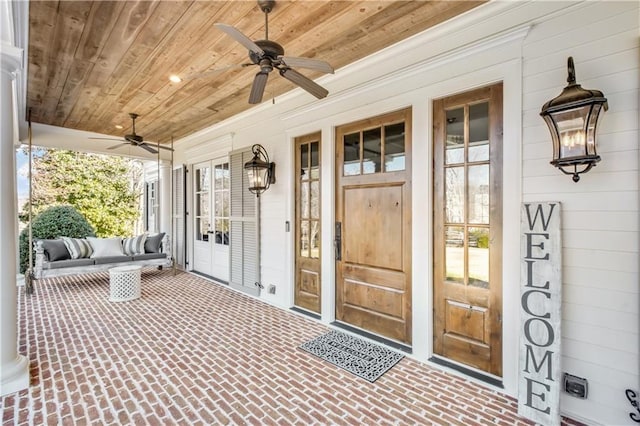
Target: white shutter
[178, 216]
[244, 226]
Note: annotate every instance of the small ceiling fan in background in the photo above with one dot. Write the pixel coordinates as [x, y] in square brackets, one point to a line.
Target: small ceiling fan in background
[135, 140]
[268, 55]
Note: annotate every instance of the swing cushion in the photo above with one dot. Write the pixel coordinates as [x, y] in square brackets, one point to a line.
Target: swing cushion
[134, 245]
[104, 247]
[153, 242]
[55, 250]
[78, 248]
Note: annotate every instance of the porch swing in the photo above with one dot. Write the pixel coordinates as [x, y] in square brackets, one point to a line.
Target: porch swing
[158, 254]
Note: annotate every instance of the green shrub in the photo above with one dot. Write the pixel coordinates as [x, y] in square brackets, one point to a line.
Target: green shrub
[54, 222]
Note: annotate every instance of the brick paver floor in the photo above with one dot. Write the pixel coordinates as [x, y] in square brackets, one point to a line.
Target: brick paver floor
[194, 352]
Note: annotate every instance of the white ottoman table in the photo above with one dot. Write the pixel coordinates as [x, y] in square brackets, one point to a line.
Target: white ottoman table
[124, 283]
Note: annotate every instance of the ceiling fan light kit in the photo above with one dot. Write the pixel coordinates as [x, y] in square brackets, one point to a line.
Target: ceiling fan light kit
[268, 54]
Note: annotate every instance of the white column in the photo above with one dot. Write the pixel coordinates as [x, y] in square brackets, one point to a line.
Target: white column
[14, 368]
[165, 197]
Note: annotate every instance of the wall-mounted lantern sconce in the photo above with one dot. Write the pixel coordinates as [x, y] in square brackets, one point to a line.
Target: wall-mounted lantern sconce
[261, 172]
[572, 118]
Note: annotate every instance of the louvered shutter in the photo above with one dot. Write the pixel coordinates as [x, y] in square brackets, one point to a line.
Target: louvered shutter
[244, 227]
[178, 216]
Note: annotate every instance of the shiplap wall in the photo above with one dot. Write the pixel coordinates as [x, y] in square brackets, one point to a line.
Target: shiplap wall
[600, 213]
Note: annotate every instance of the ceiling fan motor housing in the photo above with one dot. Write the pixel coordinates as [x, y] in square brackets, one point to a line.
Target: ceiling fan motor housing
[133, 138]
[271, 50]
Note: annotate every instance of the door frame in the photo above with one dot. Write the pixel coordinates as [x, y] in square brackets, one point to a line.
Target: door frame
[509, 73]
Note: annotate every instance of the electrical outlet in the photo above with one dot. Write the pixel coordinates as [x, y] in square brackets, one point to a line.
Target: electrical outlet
[271, 289]
[575, 386]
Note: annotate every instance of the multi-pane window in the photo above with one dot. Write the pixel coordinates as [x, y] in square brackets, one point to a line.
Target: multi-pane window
[221, 203]
[375, 150]
[466, 181]
[309, 201]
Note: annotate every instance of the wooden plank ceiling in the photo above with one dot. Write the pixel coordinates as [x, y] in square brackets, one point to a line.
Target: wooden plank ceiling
[93, 62]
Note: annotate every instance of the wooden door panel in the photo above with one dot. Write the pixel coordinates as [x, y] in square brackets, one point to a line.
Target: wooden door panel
[466, 321]
[467, 227]
[393, 280]
[373, 208]
[392, 328]
[467, 351]
[373, 299]
[308, 291]
[367, 242]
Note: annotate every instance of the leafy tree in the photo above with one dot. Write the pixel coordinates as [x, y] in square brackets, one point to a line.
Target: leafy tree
[106, 190]
[54, 222]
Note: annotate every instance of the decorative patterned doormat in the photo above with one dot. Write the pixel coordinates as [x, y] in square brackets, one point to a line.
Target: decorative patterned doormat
[357, 356]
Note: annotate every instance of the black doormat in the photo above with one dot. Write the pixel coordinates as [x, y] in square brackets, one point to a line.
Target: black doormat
[357, 356]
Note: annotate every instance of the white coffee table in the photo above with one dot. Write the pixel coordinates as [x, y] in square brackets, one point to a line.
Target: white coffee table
[124, 283]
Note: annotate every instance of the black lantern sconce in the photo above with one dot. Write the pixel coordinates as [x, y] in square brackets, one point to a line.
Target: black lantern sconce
[572, 118]
[261, 172]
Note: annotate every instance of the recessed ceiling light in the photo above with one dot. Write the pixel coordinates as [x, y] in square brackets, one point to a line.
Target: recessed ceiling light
[118, 126]
[174, 78]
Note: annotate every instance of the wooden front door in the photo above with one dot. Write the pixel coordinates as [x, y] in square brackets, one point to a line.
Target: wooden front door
[467, 228]
[307, 293]
[373, 225]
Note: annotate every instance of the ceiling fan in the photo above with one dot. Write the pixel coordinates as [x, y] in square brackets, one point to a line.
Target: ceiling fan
[136, 140]
[268, 55]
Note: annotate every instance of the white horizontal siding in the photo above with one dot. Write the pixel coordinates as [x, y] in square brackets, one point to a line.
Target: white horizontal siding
[600, 213]
[588, 278]
[606, 299]
[598, 335]
[598, 259]
[594, 315]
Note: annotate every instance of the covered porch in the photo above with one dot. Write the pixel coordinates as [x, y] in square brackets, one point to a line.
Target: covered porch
[192, 351]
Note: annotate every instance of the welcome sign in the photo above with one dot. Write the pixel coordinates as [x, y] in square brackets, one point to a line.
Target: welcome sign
[539, 378]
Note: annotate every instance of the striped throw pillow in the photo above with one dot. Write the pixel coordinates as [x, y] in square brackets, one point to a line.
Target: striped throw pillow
[78, 247]
[134, 245]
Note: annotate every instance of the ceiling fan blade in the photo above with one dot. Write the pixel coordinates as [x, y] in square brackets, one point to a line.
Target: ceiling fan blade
[144, 145]
[108, 139]
[257, 89]
[305, 83]
[240, 38]
[312, 64]
[164, 147]
[119, 145]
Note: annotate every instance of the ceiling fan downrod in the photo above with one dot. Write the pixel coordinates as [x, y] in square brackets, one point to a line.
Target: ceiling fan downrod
[133, 116]
[266, 6]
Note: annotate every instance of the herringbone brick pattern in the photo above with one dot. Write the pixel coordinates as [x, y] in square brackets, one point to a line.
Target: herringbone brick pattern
[194, 352]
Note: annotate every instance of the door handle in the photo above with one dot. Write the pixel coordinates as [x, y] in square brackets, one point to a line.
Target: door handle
[337, 242]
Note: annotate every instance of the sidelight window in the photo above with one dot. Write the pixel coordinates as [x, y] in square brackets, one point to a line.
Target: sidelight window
[466, 191]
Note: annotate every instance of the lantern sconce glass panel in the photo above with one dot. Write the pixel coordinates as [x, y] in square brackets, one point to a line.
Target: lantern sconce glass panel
[261, 172]
[572, 118]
